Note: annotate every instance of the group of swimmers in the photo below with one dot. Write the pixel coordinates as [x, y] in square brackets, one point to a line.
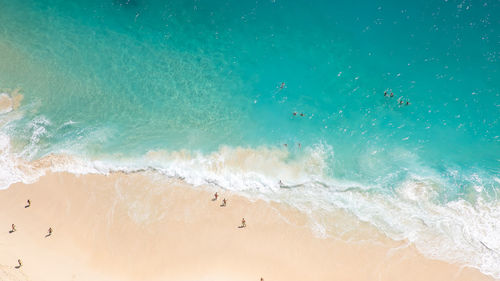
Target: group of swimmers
[224, 203]
[298, 144]
[401, 102]
[283, 86]
[13, 229]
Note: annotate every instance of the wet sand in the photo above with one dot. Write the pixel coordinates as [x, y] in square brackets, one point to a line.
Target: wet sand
[136, 227]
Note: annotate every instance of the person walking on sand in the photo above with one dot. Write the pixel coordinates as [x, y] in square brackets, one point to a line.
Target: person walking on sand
[28, 203]
[243, 222]
[223, 202]
[215, 196]
[20, 263]
[13, 228]
[50, 231]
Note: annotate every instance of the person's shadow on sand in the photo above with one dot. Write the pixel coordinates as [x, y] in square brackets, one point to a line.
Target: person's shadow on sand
[17, 266]
[11, 231]
[48, 235]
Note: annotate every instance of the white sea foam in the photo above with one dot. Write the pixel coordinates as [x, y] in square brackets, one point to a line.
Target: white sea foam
[243, 169]
[457, 231]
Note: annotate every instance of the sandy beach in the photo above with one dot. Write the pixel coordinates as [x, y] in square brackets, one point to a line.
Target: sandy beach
[131, 227]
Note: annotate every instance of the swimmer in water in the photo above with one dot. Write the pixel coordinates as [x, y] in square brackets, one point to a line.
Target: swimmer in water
[407, 103]
[295, 114]
[385, 94]
[282, 85]
[392, 95]
[401, 102]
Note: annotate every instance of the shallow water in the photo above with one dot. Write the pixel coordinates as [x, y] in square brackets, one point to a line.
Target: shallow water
[193, 89]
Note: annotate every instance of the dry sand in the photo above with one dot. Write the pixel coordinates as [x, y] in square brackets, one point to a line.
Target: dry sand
[129, 227]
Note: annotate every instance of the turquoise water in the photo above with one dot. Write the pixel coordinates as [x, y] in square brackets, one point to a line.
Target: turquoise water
[114, 80]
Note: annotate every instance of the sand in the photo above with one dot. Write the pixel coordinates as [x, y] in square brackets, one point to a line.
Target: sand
[5, 103]
[11, 101]
[138, 227]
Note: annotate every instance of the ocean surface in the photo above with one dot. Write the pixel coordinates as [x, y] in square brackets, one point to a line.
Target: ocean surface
[276, 99]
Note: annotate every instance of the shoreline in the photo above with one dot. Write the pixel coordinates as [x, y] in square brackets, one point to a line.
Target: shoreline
[134, 227]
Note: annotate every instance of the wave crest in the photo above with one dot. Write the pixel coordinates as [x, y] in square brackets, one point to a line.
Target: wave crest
[458, 231]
